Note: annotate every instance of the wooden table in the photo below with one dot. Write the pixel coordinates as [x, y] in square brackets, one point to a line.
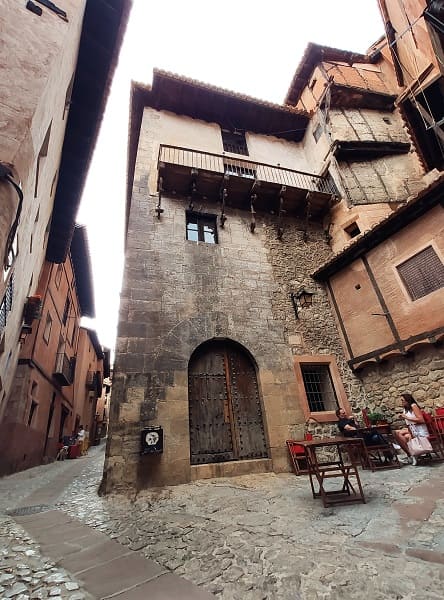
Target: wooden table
[322, 470]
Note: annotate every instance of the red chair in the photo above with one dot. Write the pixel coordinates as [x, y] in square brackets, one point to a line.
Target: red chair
[438, 421]
[439, 412]
[434, 437]
[365, 418]
[297, 455]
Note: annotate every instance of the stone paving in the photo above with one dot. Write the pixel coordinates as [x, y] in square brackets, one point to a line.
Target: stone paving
[25, 573]
[260, 537]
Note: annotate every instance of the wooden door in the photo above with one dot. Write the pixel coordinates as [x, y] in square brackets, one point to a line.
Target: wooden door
[225, 412]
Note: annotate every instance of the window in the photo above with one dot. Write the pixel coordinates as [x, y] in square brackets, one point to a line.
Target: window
[66, 310]
[47, 330]
[352, 230]
[31, 412]
[422, 274]
[41, 159]
[6, 303]
[201, 228]
[234, 142]
[320, 387]
[317, 132]
[58, 276]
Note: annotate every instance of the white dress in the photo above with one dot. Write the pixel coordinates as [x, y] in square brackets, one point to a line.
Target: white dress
[417, 429]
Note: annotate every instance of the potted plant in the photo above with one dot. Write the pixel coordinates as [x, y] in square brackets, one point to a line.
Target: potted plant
[377, 418]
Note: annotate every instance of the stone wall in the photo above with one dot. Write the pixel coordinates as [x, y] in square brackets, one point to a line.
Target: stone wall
[315, 331]
[421, 374]
[176, 295]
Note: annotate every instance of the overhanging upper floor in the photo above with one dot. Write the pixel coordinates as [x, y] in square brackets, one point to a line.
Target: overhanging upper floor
[242, 183]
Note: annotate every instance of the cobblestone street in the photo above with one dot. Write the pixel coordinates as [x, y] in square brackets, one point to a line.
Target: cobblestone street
[251, 537]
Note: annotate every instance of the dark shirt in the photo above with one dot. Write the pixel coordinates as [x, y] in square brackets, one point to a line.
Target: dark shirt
[345, 421]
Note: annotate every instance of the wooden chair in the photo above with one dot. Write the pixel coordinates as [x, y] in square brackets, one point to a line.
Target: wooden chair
[297, 455]
[434, 438]
[382, 455]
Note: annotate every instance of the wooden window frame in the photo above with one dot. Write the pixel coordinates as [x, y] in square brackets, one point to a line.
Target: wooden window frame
[327, 416]
[201, 219]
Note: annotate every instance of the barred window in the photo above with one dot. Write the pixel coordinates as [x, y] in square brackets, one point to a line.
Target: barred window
[319, 389]
[6, 303]
[234, 142]
[422, 274]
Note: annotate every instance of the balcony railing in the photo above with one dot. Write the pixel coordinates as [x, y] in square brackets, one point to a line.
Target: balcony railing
[213, 171]
[63, 371]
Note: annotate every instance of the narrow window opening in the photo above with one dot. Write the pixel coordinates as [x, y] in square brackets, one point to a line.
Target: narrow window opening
[32, 412]
[234, 142]
[352, 230]
[47, 330]
[41, 160]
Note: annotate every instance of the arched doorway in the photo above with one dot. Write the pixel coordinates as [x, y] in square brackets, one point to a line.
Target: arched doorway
[225, 410]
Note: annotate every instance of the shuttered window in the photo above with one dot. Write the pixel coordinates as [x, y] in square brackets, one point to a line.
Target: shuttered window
[423, 273]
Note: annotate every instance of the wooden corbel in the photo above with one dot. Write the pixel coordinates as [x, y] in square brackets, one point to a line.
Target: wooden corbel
[281, 213]
[159, 209]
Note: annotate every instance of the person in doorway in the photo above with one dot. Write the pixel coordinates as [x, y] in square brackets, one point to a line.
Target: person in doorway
[80, 438]
[415, 426]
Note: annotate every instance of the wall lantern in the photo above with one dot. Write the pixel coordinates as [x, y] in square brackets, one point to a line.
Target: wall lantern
[301, 299]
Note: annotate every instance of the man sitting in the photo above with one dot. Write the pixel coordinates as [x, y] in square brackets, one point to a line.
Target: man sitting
[349, 428]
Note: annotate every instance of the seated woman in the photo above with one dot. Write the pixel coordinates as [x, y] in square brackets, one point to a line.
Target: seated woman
[415, 426]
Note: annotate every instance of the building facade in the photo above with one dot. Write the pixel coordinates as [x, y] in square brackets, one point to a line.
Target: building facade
[232, 338]
[60, 367]
[56, 70]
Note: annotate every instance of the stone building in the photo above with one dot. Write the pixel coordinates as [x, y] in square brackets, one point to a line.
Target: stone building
[56, 69]
[226, 341]
[225, 226]
[60, 368]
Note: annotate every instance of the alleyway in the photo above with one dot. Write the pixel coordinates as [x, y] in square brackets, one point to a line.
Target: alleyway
[251, 538]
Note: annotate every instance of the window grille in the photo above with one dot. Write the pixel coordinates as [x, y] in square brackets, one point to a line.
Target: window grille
[422, 274]
[321, 395]
[6, 305]
[234, 142]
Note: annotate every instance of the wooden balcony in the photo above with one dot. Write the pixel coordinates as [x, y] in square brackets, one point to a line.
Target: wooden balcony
[63, 371]
[203, 175]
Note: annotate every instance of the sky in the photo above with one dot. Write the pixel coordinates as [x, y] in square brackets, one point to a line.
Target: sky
[247, 46]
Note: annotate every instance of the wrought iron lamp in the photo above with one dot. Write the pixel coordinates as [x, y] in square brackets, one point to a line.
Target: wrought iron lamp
[301, 299]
